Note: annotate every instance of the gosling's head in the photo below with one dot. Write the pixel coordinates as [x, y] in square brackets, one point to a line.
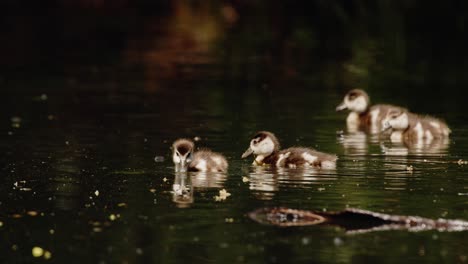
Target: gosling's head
[396, 119]
[182, 154]
[355, 100]
[262, 144]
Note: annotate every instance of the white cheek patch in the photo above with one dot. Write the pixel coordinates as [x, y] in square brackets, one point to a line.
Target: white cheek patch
[400, 123]
[309, 158]
[265, 147]
[359, 104]
[201, 165]
[176, 158]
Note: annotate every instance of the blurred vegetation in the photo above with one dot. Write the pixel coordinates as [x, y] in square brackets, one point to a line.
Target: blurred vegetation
[339, 42]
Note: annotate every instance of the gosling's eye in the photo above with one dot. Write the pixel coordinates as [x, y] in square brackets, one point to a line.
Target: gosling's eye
[189, 157]
[178, 155]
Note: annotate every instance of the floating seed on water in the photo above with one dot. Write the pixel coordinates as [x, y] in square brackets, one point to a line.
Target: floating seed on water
[223, 195]
[37, 252]
[47, 255]
[32, 213]
[159, 159]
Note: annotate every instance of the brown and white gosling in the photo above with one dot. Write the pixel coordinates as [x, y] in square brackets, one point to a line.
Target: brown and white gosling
[363, 115]
[186, 159]
[407, 126]
[266, 148]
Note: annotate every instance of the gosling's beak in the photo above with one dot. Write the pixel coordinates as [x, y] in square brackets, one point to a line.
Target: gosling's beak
[182, 166]
[341, 107]
[386, 126]
[247, 153]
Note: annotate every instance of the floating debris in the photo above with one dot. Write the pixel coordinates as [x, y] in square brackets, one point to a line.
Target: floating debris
[112, 217]
[164, 179]
[354, 220]
[37, 252]
[245, 179]
[410, 168]
[223, 195]
[15, 119]
[159, 159]
[122, 205]
[51, 231]
[229, 220]
[47, 255]
[462, 162]
[1, 223]
[152, 190]
[51, 117]
[96, 193]
[32, 213]
[196, 139]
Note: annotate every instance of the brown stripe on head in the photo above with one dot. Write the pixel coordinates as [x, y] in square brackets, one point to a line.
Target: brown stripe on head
[353, 94]
[183, 146]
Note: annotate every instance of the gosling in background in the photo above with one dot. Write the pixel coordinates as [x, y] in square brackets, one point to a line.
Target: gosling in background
[362, 115]
[407, 126]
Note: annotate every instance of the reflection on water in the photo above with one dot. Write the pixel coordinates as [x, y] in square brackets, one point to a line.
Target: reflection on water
[358, 143]
[186, 184]
[436, 147]
[265, 181]
[354, 143]
[208, 179]
[182, 189]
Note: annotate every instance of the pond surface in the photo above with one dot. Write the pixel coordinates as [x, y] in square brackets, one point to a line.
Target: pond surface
[87, 170]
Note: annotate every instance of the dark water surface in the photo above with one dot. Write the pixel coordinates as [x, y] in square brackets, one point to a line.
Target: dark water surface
[80, 133]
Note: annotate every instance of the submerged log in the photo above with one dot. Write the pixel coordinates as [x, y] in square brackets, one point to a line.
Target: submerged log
[354, 220]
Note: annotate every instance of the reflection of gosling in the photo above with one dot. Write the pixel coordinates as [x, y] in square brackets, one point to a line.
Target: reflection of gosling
[266, 148]
[363, 115]
[185, 159]
[409, 126]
